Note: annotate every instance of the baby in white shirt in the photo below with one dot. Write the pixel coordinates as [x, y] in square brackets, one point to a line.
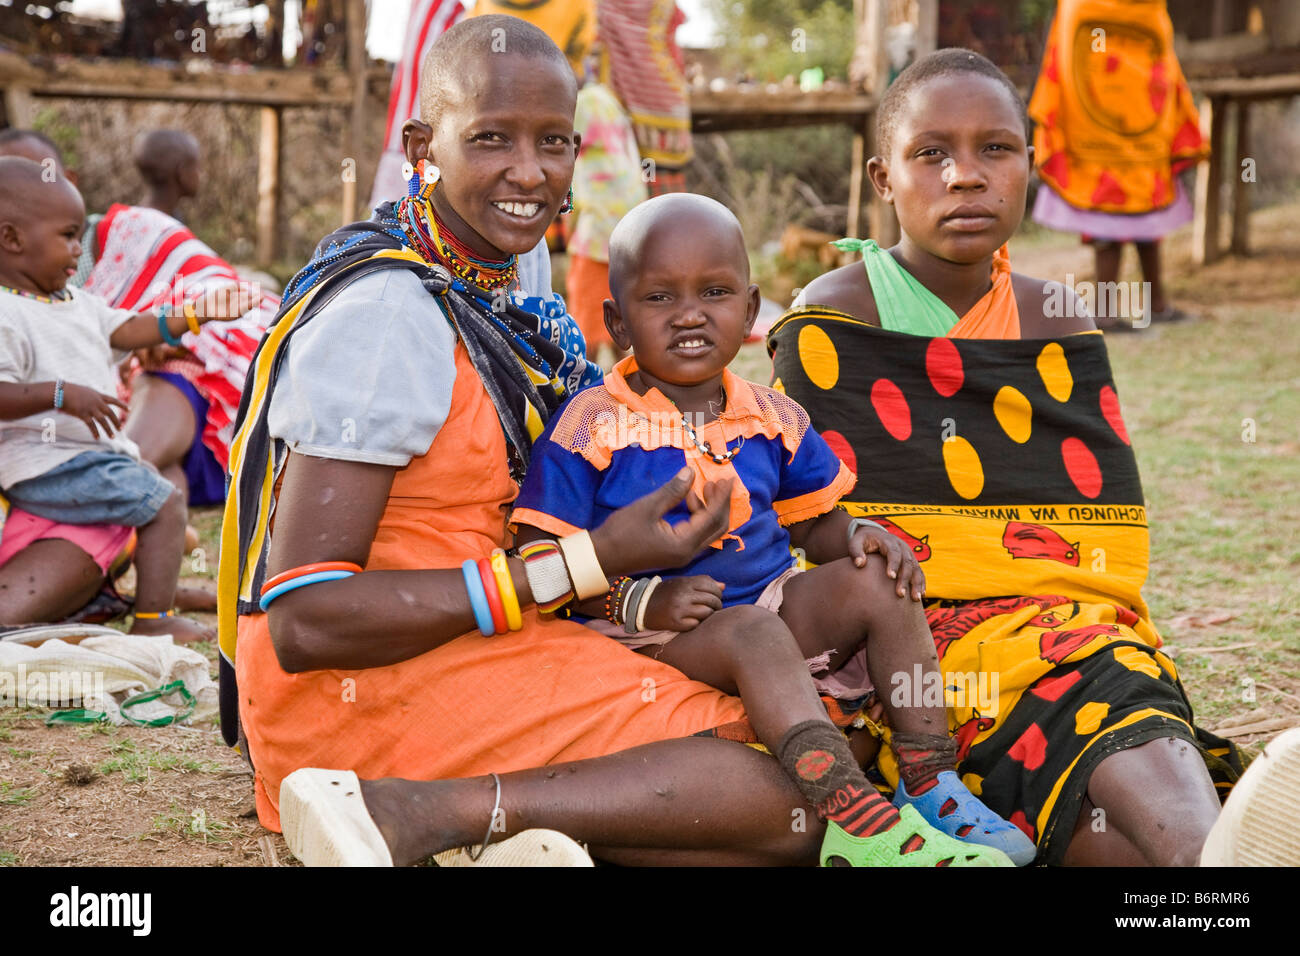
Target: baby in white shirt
[61, 454]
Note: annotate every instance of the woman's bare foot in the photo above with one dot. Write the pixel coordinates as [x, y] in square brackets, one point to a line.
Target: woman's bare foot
[182, 629]
[419, 818]
[195, 599]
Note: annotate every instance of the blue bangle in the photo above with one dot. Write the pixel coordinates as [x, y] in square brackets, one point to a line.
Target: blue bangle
[165, 310]
[478, 598]
[301, 582]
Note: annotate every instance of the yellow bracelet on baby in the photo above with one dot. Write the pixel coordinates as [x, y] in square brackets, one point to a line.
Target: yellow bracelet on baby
[506, 587]
[191, 317]
[585, 572]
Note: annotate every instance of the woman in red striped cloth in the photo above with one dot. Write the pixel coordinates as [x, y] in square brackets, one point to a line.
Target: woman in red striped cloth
[184, 397]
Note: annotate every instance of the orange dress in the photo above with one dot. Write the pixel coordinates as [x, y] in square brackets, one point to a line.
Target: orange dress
[554, 691]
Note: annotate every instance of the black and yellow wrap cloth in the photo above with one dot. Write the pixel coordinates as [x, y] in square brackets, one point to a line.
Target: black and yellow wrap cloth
[1007, 467]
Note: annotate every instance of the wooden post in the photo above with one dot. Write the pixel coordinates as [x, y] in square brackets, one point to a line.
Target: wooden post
[884, 224]
[268, 187]
[860, 191]
[927, 27]
[19, 109]
[1240, 188]
[354, 142]
[275, 32]
[1209, 176]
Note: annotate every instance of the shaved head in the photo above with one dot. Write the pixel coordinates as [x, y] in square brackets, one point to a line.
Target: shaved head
[29, 144]
[160, 153]
[464, 53]
[683, 211]
[28, 192]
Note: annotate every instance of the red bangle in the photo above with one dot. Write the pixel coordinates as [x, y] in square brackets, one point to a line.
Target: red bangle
[493, 595]
[310, 569]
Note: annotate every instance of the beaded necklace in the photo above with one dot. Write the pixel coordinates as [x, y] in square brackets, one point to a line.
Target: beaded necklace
[62, 295]
[703, 446]
[436, 243]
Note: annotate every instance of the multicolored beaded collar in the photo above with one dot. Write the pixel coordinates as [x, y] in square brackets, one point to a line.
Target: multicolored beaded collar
[62, 295]
[431, 238]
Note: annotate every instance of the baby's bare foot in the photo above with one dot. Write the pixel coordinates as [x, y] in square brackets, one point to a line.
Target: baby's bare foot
[182, 629]
[195, 599]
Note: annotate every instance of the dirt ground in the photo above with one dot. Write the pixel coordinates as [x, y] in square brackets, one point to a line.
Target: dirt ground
[131, 796]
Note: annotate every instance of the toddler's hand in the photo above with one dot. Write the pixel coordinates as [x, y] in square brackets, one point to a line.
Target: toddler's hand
[93, 408]
[227, 303]
[679, 604]
[900, 562]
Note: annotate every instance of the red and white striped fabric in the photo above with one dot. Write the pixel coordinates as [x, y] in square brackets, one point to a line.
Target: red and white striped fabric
[428, 20]
[146, 258]
[647, 74]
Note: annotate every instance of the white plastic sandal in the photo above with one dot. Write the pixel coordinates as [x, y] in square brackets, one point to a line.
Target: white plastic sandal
[1258, 825]
[325, 820]
[528, 848]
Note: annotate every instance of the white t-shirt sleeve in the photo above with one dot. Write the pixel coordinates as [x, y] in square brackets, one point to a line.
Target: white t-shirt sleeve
[370, 377]
[15, 354]
[110, 319]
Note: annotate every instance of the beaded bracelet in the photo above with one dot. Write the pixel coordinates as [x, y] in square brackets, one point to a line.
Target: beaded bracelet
[58, 393]
[478, 601]
[164, 311]
[614, 600]
[154, 615]
[506, 585]
[299, 581]
[548, 576]
[493, 592]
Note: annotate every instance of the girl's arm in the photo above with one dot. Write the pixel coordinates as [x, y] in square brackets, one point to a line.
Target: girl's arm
[826, 538]
[329, 510]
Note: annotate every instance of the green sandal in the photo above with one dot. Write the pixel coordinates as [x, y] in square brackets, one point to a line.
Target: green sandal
[886, 849]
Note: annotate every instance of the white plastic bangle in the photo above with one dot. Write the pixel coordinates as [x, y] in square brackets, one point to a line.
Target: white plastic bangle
[585, 572]
[645, 602]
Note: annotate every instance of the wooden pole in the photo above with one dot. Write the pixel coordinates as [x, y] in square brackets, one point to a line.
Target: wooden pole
[268, 187]
[859, 186]
[1209, 176]
[884, 224]
[19, 109]
[1240, 187]
[354, 142]
[275, 32]
[927, 27]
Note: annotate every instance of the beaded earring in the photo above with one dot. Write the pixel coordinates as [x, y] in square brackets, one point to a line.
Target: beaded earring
[567, 205]
[420, 178]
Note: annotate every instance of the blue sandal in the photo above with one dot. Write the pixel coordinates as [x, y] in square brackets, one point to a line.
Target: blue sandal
[951, 808]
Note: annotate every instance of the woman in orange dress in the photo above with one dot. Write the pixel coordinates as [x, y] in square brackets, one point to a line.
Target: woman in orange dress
[386, 422]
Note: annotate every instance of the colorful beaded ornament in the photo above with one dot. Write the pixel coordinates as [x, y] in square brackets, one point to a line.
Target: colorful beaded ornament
[62, 295]
[435, 243]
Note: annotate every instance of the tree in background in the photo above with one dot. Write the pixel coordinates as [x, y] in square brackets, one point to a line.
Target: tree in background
[768, 40]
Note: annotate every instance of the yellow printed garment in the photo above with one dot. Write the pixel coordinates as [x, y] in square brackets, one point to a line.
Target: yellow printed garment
[1006, 466]
[1115, 119]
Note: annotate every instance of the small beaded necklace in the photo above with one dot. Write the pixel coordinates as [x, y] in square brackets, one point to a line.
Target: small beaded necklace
[702, 446]
[62, 295]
